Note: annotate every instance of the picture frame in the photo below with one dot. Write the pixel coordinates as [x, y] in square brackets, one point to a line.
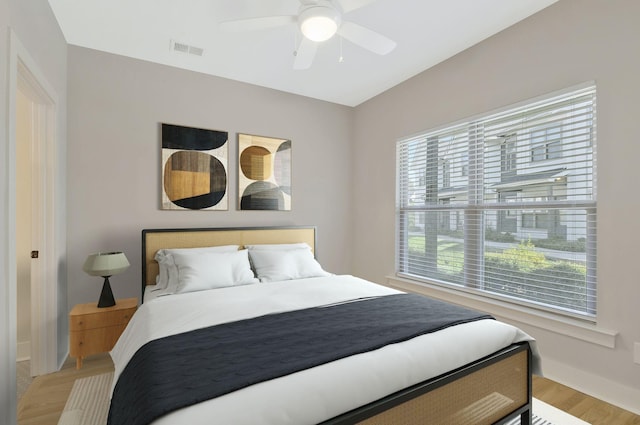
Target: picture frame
[264, 173]
[194, 168]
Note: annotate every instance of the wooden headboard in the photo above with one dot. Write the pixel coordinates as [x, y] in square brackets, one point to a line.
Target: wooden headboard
[155, 239]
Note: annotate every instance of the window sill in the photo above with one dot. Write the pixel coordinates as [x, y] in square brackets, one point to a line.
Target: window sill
[555, 323]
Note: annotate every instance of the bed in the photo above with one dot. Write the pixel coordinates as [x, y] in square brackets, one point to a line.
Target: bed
[477, 371]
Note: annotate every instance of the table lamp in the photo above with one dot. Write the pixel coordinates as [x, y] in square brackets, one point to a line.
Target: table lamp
[106, 264]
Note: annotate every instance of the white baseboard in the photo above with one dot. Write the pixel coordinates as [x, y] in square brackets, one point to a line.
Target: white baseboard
[63, 358]
[593, 385]
[23, 351]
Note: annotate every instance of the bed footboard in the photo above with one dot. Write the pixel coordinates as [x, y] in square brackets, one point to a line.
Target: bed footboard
[489, 391]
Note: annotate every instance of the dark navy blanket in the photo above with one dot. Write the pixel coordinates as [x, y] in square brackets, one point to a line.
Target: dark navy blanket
[180, 370]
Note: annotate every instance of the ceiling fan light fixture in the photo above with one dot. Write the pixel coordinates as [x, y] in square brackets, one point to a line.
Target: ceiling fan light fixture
[319, 23]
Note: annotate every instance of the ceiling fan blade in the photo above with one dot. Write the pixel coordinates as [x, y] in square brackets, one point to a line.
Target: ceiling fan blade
[255, 24]
[364, 37]
[305, 54]
[349, 5]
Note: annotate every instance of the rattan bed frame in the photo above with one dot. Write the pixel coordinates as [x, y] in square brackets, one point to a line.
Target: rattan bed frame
[492, 390]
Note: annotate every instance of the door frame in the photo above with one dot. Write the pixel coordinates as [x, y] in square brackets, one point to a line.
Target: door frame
[25, 75]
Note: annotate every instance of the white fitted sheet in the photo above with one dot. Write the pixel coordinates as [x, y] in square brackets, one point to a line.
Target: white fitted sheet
[322, 392]
[151, 292]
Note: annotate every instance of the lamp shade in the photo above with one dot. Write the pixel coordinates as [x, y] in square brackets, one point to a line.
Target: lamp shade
[105, 264]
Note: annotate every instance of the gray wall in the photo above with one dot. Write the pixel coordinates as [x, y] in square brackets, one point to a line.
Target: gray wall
[116, 105]
[568, 43]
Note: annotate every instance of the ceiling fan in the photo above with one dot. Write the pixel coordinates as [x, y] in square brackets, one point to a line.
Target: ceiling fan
[319, 20]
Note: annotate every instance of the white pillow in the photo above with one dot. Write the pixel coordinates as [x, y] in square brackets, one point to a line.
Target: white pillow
[277, 265]
[168, 274]
[210, 270]
[278, 246]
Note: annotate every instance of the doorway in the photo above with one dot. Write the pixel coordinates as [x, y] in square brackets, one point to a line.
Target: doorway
[31, 159]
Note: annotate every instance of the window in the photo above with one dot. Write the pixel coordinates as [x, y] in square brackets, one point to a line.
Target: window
[546, 143]
[508, 158]
[499, 218]
[446, 173]
[465, 168]
[535, 219]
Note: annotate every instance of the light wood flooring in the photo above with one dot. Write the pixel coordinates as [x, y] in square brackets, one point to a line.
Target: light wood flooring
[45, 399]
[580, 405]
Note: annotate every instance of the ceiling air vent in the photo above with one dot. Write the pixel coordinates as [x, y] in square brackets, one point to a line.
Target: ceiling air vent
[177, 46]
[196, 50]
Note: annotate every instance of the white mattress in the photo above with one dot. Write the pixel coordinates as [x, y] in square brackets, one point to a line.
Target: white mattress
[319, 393]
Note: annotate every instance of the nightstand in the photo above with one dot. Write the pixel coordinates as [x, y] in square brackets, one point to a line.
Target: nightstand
[95, 330]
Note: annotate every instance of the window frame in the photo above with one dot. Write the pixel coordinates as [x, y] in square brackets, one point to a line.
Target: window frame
[476, 206]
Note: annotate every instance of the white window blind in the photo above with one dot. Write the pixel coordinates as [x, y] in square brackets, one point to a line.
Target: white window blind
[505, 204]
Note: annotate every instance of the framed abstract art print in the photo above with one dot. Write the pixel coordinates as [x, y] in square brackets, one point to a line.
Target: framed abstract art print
[194, 168]
[264, 173]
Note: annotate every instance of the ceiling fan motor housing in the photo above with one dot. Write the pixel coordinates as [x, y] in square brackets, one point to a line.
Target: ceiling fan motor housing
[319, 22]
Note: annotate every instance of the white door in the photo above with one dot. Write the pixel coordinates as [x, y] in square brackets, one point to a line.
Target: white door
[43, 276]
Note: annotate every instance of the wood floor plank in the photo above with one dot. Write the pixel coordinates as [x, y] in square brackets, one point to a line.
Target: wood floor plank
[580, 405]
[47, 395]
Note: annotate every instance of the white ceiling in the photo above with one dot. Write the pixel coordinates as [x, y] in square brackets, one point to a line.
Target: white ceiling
[426, 31]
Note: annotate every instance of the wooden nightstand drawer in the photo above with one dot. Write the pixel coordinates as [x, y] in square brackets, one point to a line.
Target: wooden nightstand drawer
[94, 341]
[94, 330]
[100, 320]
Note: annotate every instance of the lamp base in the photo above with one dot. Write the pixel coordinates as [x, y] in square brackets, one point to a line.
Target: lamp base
[106, 296]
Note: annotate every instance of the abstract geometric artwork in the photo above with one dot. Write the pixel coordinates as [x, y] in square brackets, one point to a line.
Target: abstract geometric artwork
[194, 168]
[264, 173]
